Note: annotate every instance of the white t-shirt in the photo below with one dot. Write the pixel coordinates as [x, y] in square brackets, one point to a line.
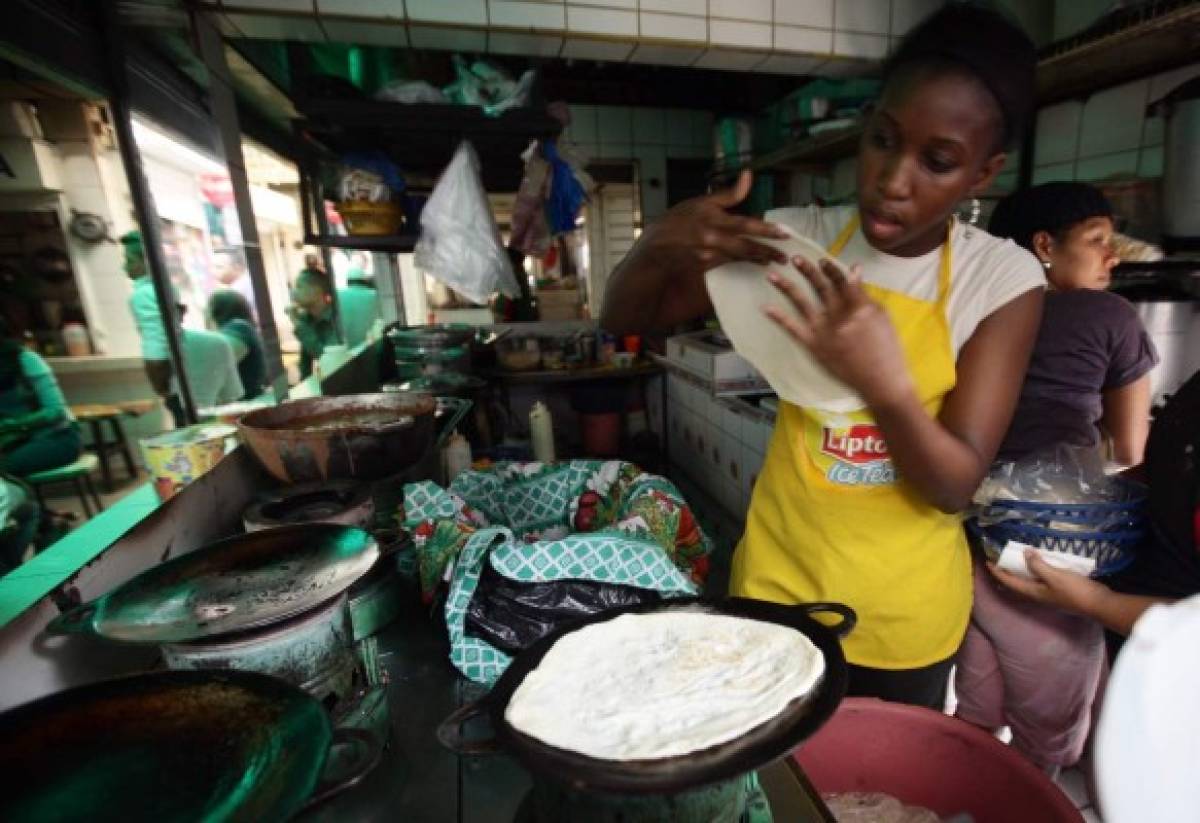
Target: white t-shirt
[987, 272]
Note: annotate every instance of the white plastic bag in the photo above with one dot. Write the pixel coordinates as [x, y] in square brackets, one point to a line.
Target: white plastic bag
[460, 244]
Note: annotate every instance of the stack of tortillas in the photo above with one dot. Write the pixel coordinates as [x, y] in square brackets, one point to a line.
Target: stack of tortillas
[740, 291]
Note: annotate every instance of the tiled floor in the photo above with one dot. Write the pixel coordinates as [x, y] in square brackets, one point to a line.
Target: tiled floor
[62, 498]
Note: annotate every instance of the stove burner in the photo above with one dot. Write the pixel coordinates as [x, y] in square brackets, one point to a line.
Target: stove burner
[338, 502]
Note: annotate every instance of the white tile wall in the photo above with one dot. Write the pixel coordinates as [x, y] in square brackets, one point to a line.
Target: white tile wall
[447, 39]
[907, 13]
[673, 27]
[294, 6]
[272, 27]
[462, 12]
[756, 10]
[1053, 172]
[587, 49]
[624, 4]
[1150, 164]
[868, 16]
[862, 46]
[739, 34]
[649, 126]
[1057, 133]
[792, 64]
[365, 32]
[1106, 165]
[656, 54]
[524, 15]
[614, 124]
[795, 38]
[1112, 119]
[525, 45]
[697, 7]
[374, 9]
[816, 13]
[612, 22]
[724, 58]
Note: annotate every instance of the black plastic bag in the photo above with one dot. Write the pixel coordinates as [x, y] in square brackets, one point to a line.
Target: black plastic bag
[512, 616]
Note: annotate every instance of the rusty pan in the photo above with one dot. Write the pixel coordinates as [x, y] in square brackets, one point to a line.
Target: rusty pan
[352, 437]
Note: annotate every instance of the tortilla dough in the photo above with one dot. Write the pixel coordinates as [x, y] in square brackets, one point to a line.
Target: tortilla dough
[740, 291]
[646, 686]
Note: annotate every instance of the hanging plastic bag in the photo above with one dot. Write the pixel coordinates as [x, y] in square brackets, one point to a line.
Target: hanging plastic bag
[567, 196]
[530, 232]
[460, 243]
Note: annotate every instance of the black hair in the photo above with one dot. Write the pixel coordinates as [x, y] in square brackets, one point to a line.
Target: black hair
[986, 45]
[320, 278]
[226, 304]
[1050, 207]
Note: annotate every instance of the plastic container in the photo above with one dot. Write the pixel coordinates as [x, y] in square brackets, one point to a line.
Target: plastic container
[601, 434]
[924, 758]
[541, 429]
[456, 456]
[75, 340]
[370, 219]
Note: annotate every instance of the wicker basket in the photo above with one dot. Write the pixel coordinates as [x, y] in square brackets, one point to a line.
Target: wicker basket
[362, 218]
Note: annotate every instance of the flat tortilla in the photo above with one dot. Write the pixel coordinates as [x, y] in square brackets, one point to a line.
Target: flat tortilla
[648, 686]
[740, 291]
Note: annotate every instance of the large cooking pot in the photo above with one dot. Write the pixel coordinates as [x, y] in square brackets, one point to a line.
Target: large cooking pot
[245, 582]
[352, 437]
[924, 758]
[435, 348]
[173, 746]
[672, 775]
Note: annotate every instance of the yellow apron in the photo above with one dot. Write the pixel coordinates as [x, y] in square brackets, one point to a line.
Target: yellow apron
[830, 520]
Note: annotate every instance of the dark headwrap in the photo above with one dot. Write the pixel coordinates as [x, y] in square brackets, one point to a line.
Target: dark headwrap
[1050, 207]
[987, 45]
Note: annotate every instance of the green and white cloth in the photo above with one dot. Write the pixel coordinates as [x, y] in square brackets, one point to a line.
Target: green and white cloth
[522, 519]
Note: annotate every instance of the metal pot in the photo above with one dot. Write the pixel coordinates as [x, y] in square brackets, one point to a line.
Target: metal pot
[174, 745]
[349, 504]
[226, 588]
[352, 437]
[671, 775]
[314, 651]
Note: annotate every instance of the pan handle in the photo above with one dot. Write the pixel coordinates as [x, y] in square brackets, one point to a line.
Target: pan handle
[450, 735]
[76, 621]
[365, 752]
[843, 626]
[456, 409]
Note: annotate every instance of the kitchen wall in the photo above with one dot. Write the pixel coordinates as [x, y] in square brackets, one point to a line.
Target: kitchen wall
[1106, 135]
[646, 135]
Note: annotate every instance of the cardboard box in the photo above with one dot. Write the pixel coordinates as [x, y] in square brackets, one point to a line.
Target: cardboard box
[715, 362]
[558, 304]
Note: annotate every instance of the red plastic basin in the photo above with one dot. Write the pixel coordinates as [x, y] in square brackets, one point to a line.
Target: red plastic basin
[925, 758]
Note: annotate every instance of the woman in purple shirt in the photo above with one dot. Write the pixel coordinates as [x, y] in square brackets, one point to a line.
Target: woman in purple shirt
[1026, 665]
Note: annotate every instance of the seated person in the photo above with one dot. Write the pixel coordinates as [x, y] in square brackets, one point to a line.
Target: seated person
[211, 367]
[37, 431]
[19, 513]
[230, 314]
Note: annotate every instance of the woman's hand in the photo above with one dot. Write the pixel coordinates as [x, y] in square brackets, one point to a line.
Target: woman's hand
[700, 234]
[1053, 587]
[659, 282]
[848, 333]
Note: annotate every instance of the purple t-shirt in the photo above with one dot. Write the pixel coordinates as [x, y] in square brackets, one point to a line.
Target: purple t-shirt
[1089, 342]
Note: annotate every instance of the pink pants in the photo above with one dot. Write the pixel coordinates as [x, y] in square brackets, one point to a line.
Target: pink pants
[1030, 667]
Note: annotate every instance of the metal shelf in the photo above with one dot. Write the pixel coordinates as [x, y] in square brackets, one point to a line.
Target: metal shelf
[395, 244]
[810, 154]
[1146, 38]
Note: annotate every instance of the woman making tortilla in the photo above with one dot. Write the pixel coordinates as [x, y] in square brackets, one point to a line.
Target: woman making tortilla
[932, 328]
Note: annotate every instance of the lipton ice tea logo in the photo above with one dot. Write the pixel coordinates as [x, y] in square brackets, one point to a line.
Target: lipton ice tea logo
[860, 455]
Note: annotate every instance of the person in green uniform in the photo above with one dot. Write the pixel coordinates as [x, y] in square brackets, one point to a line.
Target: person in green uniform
[231, 316]
[312, 316]
[37, 431]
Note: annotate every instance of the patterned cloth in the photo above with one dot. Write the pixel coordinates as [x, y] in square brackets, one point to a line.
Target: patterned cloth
[606, 522]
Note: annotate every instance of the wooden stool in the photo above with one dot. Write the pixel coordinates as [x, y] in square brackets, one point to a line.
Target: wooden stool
[94, 416]
[78, 473]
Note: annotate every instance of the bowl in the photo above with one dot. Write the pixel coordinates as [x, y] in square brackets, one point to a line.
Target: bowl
[353, 437]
